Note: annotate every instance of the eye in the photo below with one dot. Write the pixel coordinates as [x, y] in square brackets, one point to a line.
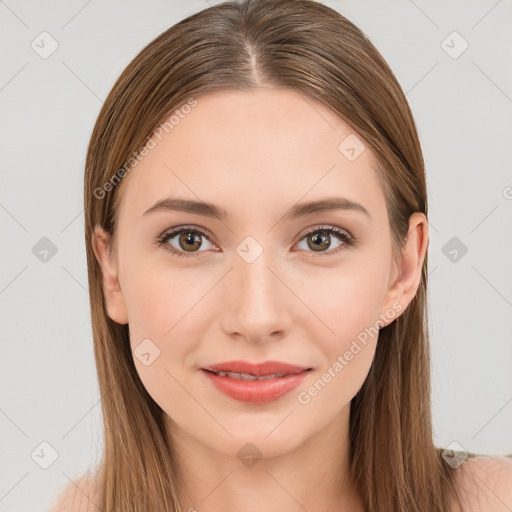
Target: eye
[186, 244]
[320, 237]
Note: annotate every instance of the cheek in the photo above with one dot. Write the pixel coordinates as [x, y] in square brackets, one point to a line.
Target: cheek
[349, 302]
[161, 312]
[165, 306]
[347, 346]
[345, 327]
[158, 296]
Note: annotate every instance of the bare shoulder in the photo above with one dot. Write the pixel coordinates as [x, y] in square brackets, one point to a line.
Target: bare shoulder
[80, 496]
[485, 484]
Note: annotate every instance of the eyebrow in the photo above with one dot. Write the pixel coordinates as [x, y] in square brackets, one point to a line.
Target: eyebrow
[299, 210]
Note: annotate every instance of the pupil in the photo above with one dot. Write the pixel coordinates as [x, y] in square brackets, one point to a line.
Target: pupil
[190, 240]
[320, 241]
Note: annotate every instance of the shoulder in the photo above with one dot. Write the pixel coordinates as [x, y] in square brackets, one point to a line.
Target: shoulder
[80, 496]
[485, 483]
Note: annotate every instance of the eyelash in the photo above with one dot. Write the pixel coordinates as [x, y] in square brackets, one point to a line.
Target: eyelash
[342, 235]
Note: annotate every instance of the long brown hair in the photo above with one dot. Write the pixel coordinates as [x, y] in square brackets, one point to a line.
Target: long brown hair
[311, 48]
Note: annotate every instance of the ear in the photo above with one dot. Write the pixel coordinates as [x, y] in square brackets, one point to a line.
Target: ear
[406, 273]
[116, 307]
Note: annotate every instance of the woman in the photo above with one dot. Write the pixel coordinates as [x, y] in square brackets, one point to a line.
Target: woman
[257, 234]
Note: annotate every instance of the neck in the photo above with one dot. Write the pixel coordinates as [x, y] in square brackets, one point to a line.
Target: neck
[314, 475]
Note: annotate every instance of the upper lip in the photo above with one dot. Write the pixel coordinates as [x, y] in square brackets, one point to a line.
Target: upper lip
[258, 370]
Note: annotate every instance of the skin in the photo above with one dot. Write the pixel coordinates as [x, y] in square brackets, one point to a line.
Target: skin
[257, 155]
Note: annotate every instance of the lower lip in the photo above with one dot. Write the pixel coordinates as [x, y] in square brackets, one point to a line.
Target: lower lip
[256, 391]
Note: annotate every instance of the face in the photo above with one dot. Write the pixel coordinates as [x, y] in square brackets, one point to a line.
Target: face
[257, 283]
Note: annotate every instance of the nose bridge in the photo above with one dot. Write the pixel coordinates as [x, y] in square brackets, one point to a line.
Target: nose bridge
[258, 303]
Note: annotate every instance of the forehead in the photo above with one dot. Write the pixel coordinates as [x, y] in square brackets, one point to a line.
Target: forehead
[255, 149]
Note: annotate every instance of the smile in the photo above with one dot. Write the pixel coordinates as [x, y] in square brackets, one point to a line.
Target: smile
[254, 389]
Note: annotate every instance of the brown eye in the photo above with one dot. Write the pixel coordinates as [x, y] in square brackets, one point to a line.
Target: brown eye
[189, 241]
[183, 241]
[319, 240]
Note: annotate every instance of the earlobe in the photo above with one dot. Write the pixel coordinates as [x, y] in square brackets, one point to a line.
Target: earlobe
[408, 270]
[114, 300]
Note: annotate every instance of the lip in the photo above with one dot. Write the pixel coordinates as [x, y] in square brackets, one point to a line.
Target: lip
[257, 369]
[256, 391]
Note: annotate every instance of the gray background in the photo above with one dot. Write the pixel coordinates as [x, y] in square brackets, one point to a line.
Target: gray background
[462, 107]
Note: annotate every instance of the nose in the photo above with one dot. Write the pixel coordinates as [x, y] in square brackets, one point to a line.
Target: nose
[257, 301]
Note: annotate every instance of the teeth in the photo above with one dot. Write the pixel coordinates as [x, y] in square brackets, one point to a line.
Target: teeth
[246, 376]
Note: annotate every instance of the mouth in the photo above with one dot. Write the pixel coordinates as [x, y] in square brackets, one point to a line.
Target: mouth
[255, 383]
[249, 376]
[271, 369]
